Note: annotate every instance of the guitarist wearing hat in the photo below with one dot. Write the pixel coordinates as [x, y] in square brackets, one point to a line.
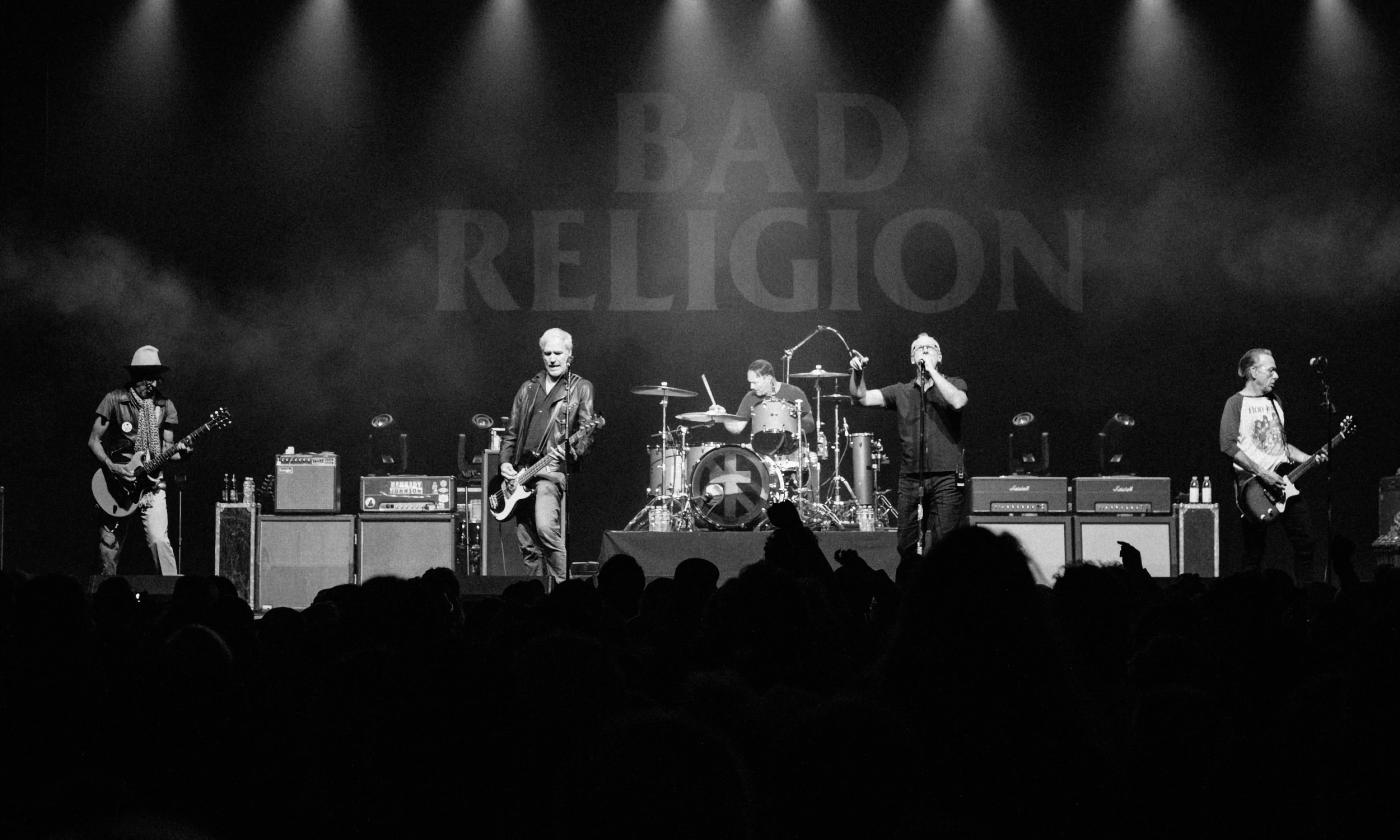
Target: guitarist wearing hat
[548, 411]
[138, 420]
[1252, 436]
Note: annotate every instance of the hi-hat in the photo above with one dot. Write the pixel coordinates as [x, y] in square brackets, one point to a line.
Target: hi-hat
[818, 373]
[838, 397]
[662, 390]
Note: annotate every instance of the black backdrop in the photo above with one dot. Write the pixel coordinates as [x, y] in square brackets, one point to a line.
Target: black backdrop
[320, 211]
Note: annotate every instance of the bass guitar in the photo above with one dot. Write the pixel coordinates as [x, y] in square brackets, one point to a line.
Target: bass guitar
[504, 494]
[119, 496]
[1263, 502]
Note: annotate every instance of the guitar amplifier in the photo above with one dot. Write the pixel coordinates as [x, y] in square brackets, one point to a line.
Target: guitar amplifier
[1123, 494]
[1019, 494]
[408, 494]
[1388, 516]
[307, 482]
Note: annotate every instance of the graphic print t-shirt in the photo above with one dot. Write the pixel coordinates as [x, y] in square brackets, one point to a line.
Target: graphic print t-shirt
[1257, 424]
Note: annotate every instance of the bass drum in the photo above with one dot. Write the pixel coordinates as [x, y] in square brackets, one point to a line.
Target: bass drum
[730, 487]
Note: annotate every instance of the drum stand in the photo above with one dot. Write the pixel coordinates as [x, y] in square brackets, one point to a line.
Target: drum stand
[667, 496]
[844, 509]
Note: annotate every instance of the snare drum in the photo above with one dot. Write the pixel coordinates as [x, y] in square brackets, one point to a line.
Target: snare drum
[729, 487]
[668, 472]
[773, 426]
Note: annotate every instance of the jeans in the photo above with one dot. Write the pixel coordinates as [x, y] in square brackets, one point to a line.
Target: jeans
[1296, 522]
[942, 501]
[539, 527]
[155, 521]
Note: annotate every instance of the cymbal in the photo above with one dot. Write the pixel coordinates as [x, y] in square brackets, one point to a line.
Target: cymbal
[818, 373]
[711, 417]
[696, 417]
[838, 397]
[662, 390]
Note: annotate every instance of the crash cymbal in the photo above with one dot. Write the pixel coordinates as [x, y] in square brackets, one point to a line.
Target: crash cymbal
[818, 373]
[662, 390]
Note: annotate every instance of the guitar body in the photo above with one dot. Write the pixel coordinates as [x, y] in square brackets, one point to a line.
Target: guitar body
[1263, 503]
[503, 494]
[117, 497]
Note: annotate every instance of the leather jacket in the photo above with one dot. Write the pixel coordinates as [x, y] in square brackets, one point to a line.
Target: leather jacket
[571, 402]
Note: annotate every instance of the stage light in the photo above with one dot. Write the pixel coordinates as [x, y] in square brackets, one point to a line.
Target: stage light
[1117, 442]
[388, 447]
[1027, 447]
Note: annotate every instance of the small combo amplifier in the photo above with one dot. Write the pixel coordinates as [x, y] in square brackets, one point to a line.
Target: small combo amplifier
[408, 494]
[1198, 539]
[1123, 494]
[307, 482]
[1020, 494]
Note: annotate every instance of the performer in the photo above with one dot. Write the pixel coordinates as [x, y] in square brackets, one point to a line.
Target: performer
[930, 410]
[136, 419]
[763, 384]
[547, 409]
[1252, 436]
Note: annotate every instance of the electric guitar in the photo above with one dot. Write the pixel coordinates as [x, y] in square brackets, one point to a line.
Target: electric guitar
[504, 493]
[1263, 502]
[119, 496]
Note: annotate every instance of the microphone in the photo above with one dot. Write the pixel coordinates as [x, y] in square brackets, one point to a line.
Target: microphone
[1318, 363]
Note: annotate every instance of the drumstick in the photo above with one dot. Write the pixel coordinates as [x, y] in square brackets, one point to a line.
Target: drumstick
[707, 389]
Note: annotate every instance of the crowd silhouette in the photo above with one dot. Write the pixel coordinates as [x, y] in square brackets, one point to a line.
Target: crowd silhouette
[807, 696]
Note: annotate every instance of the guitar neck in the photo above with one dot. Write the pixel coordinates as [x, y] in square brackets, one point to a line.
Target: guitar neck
[1302, 468]
[557, 451]
[154, 465]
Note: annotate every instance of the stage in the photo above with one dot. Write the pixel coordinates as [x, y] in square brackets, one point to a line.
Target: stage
[660, 552]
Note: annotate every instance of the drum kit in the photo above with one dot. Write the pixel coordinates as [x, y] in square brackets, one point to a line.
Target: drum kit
[725, 486]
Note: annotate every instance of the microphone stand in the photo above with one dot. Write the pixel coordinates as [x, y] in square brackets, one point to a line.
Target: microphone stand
[923, 478]
[1331, 410]
[787, 354]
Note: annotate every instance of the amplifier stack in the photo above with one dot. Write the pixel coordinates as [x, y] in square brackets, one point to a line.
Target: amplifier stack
[1060, 522]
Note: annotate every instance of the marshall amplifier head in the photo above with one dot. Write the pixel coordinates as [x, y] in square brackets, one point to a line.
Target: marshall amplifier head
[1123, 494]
[1020, 494]
[408, 494]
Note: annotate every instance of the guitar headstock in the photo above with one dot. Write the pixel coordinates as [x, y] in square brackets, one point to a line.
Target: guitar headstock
[220, 419]
[1348, 426]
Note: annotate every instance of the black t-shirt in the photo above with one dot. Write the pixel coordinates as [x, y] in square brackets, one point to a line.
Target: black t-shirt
[942, 427]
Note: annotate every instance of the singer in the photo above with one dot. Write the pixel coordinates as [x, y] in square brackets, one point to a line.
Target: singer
[930, 432]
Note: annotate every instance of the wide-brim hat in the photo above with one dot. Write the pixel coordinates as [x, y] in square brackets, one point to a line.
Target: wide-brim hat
[146, 361]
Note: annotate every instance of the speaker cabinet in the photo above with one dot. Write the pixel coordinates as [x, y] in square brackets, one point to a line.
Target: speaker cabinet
[307, 483]
[1387, 542]
[1198, 539]
[235, 544]
[500, 550]
[405, 545]
[1047, 540]
[298, 556]
[1096, 541]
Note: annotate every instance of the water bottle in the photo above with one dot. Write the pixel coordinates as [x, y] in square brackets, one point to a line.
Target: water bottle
[1195, 495]
[1205, 490]
[224, 496]
[249, 490]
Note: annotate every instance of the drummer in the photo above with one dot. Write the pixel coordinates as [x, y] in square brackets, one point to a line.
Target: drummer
[764, 385]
